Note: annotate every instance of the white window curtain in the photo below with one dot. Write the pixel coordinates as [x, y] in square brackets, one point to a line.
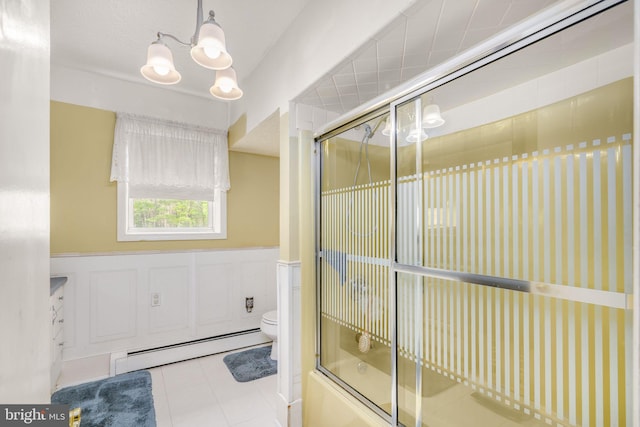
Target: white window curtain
[163, 159]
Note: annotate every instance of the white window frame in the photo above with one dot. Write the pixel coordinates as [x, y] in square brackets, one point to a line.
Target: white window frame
[217, 228]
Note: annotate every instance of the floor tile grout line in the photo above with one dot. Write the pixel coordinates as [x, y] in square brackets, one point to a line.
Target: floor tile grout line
[213, 389]
[166, 396]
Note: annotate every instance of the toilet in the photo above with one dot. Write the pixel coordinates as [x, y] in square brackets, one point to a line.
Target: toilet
[269, 327]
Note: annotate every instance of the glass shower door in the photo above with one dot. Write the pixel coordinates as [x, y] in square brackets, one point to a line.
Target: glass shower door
[513, 230]
[355, 338]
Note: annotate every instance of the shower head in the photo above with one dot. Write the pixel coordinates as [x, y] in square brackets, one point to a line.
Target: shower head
[368, 133]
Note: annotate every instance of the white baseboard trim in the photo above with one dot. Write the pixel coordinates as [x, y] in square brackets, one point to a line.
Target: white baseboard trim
[295, 413]
[83, 370]
[288, 414]
[128, 362]
[112, 361]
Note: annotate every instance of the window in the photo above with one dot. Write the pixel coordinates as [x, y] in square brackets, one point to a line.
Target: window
[172, 180]
[142, 218]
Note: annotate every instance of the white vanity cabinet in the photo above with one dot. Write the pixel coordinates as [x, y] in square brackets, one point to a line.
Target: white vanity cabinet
[56, 306]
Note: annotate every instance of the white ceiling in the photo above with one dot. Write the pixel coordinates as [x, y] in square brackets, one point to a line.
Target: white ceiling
[112, 36]
[427, 34]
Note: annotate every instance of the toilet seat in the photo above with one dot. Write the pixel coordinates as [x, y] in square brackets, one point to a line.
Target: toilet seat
[270, 317]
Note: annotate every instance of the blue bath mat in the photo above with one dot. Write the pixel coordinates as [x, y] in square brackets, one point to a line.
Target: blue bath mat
[251, 364]
[121, 401]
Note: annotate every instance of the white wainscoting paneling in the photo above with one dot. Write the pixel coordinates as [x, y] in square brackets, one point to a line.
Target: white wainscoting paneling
[108, 298]
[112, 301]
[172, 284]
[214, 296]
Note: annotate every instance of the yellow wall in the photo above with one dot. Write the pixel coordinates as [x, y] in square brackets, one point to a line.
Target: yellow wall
[329, 406]
[289, 194]
[83, 201]
[596, 114]
[340, 159]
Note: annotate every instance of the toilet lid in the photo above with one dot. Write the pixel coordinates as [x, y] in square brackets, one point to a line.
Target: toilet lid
[270, 317]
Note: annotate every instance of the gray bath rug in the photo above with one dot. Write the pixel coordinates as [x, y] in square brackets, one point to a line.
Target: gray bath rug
[121, 401]
[251, 364]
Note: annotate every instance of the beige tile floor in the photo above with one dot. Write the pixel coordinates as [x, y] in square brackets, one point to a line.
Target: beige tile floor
[195, 393]
[202, 392]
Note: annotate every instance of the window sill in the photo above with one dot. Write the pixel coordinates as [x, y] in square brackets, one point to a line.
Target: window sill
[146, 236]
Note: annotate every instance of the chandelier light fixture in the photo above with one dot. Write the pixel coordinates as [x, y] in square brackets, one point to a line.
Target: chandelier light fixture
[208, 49]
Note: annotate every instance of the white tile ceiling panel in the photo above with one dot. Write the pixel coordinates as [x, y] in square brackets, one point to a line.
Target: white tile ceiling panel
[367, 52]
[390, 75]
[455, 15]
[327, 91]
[520, 9]
[389, 63]
[345, 68]
[394, 45]
[344, 79]
[331, 107]
[350, 101]
[348, 90]
[426, 34]
[331, 100]
[367, 60]
[384, 86]
[365, 65]
[489, 14]
[367, 77]
[438, 56]
[410, 72]
[422, 25]
[415, 60]
[368, 88]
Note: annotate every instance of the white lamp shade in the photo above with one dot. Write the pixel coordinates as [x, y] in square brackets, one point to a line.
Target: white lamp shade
[417, 134]
[159, 67]
[226, 85]
[211, 51]
[431, 117]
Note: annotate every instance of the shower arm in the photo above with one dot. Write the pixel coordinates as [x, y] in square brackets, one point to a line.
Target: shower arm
[375, 128]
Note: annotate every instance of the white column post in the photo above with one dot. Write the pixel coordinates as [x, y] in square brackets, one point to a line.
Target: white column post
[289, 410]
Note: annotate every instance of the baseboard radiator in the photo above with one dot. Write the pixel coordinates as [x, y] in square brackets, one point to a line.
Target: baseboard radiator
[122, 362]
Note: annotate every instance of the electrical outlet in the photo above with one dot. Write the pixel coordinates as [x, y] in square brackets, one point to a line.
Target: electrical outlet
[248, 304]
[155, 299]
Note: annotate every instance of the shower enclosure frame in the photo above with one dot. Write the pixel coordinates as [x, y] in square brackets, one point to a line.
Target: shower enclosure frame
[553, 20]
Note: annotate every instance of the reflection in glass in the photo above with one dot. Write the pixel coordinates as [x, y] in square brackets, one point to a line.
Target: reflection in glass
[485, 356]
[354, 294]
[529, 184]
